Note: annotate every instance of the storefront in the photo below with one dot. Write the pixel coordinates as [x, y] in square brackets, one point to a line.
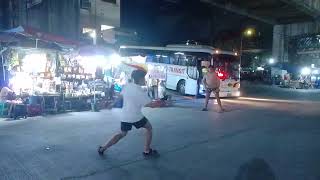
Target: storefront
[51, 81]
[50, 73]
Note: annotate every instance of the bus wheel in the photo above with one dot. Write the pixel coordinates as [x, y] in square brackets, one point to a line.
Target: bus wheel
[181, 87]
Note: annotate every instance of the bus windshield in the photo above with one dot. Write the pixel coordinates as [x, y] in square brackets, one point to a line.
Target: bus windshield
[228, 66]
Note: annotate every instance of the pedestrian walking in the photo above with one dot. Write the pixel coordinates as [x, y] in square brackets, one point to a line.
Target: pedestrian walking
[211, 83]
[134, 99]
[153, 87]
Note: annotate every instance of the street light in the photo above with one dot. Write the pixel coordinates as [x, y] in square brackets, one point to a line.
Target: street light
[271, 61]
[249, 32]
[305, 71]
[246, 33]
[93, 35]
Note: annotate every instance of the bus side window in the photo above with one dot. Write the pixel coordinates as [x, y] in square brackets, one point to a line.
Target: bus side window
[191, 61]
[149, 59]
[171, 59]
[175, 60]
[166, 60]
[163, 59]
[183, 61]
[156, 59]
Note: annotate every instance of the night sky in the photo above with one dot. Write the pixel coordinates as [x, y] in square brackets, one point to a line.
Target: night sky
[161, 22]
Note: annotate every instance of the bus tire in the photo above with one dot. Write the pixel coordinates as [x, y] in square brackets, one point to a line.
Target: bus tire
[181, 87]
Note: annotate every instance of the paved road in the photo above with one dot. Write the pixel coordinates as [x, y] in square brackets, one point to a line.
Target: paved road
[274, 92]
[262, 139]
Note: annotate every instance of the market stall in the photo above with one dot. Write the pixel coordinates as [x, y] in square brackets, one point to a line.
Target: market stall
[55, 81]
[102, 63]
[32, 77]
[53, 74]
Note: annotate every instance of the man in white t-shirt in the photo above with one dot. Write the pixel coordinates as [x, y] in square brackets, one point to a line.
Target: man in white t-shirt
[211, 83]
[134, 99]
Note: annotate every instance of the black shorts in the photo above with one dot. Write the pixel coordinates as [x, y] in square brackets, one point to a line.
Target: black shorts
[210, 90]
[126, 126]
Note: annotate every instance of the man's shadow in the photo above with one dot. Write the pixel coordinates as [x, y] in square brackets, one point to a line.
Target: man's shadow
[255, 169]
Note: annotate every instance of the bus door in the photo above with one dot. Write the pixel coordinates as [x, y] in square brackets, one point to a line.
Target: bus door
[192, 70]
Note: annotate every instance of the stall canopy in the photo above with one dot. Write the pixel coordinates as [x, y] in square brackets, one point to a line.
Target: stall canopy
[35, 34]
[6, 38]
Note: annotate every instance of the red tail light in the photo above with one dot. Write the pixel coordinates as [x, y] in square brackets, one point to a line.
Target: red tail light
[220, 75]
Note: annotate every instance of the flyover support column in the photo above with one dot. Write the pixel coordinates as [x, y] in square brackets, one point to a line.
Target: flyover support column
[280, 44]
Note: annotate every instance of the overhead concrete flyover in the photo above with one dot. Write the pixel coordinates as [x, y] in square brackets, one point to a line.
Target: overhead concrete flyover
[272, 11]
[292, 19]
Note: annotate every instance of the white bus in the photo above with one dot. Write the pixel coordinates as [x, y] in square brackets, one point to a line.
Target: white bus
[184, 66]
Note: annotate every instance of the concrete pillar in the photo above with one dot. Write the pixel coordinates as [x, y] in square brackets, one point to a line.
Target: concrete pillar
[22, 13]
[280, 44]
[4, 15]
[64, 18]
[283, 33]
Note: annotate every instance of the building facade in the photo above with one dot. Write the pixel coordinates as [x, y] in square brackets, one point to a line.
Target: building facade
[99, 19]
[68, 18]
[297, 43]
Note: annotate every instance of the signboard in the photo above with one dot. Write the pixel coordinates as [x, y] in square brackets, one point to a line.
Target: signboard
[157, 74]
[177, 70]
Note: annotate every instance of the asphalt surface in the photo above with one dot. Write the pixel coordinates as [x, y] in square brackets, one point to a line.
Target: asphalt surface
[257, 138]
[252, 89]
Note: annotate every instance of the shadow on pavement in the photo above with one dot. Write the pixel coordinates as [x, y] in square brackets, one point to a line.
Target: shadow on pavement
[255, 169]
[12, 119]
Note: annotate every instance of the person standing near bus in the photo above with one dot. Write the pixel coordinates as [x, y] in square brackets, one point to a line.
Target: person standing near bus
[211, 83]
[199, 79]
[153, 87]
